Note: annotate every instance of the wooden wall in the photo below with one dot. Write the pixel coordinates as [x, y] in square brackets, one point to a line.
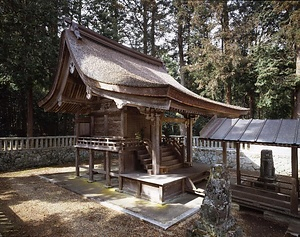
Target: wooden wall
[108, 120]
[136, 123]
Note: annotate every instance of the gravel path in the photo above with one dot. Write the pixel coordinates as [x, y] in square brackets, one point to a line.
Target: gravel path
[31, 206]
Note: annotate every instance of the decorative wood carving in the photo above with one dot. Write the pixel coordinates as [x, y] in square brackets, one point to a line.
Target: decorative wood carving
[88, 93]
[72, 67]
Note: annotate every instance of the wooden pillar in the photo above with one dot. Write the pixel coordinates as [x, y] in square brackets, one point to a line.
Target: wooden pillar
[295, 181]
[77, 161]
[189, 141]
[91, 165]
[77, 158]
[121, 169]
[155, 138]
[238, 163]
[224, 146]
[108, 168]
[92, 126]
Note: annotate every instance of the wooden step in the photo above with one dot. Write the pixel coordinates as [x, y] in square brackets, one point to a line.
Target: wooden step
[167, 153]
[170, 157]
[167, 169]
[146, 162]
[144, 156]
[170, 162]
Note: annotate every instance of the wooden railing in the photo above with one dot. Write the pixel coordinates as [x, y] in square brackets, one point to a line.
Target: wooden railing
[22, 143]
[107, 143]
[198, 142]
[177, 144]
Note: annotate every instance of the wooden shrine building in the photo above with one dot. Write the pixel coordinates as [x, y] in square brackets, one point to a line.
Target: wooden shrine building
[119, 97]
[281, 194]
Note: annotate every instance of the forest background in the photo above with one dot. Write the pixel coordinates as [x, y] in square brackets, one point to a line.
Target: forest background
[244, 53]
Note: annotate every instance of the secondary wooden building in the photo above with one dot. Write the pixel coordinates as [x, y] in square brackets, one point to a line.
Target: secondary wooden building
[275, 193]
[119, 97]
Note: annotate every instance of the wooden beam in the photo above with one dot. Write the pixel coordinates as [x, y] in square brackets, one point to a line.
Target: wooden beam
[173, 120]
[295, 182]
[79, 101]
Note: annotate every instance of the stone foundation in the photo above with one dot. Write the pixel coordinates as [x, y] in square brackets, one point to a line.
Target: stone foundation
[31, 158]
[212, 156]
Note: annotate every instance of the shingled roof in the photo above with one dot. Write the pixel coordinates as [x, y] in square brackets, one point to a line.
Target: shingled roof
[93, 68]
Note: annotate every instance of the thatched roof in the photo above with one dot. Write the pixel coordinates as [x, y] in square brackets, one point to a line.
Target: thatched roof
[93, 65]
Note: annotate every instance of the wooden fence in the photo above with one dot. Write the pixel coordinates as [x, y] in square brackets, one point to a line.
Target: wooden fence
[22, 143]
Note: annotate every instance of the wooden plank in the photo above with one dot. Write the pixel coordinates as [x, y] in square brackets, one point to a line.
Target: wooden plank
[256, 200]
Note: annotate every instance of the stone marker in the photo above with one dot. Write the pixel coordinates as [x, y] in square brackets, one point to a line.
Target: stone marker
[267, 170]
[216, 218]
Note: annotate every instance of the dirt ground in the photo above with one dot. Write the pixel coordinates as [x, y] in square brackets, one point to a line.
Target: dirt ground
[31, 206]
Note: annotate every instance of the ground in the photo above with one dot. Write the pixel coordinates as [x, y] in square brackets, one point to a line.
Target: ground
[31, 206]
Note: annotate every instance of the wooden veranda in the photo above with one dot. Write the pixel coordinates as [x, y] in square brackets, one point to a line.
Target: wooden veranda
[132, 179]
[282, 195]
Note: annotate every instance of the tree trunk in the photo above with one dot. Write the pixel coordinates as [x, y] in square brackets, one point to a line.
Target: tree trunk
[296, 109]
[29, 112]
[251, 104]
[153, 20]
[180, 44]
[145, 30]
[228, 91]
[225, 47]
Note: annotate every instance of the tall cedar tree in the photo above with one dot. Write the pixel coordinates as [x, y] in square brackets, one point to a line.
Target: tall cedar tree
[28, 35]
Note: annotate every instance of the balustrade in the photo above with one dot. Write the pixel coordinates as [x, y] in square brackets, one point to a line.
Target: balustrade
[22, 143]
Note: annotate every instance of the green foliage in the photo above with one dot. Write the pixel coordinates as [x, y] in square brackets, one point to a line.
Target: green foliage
[29, 49]
[242, 52]
[274, 67]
